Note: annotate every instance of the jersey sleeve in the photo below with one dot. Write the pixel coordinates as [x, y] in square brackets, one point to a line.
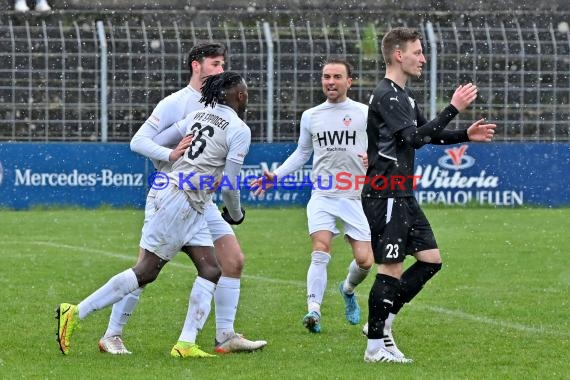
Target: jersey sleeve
[164, 114]
[418, 137]
[172, 135]
[303, 152]
[142, 142]
[238, 140]
[444, 137]
[231, 195]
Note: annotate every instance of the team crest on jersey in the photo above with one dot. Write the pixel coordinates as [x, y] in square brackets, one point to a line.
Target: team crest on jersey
[347, 120]
[412, 102]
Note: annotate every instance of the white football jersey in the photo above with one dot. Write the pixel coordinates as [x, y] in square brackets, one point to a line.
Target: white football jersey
[219, 135]
[336, 134]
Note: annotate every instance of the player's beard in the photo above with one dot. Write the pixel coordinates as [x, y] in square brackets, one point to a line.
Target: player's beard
[335, 96]
[332, 94]
[241, 112]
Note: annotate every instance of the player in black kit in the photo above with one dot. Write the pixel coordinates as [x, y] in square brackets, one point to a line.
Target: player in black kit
[396, 128]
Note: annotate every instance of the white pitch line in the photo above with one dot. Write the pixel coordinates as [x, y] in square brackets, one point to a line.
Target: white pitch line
[436, 309]
[490, 321]
[132, 258]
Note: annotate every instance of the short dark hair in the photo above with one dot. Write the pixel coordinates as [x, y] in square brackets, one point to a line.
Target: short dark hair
[205, 50]
[215, 87]
[339, 61]
[395, 39]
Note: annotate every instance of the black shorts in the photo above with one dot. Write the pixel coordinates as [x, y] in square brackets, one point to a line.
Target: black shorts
[398, 227]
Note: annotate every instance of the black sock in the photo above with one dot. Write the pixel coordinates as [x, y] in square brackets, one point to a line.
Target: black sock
[380, 301]
[413, 281]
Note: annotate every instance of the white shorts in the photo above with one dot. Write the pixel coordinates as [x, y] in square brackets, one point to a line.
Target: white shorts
[216, 224]
[172, 224]
[149, 205]
[323, 212]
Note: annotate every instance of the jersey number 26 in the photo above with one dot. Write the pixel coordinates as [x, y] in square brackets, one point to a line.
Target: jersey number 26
[199, 143]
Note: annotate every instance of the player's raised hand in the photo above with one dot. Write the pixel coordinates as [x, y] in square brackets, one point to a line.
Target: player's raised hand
[463, 96]
[181, 148]
[481, 132]
[262, 184]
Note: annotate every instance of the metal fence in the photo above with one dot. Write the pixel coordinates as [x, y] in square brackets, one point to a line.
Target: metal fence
[54, 85]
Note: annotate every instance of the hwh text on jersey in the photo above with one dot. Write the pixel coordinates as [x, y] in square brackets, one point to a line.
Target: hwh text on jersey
[336, 137]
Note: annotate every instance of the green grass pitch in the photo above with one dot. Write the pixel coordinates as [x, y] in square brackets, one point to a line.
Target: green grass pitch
[499, 309]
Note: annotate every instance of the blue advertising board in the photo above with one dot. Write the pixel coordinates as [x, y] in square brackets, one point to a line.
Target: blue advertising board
[500, 174]
[69, 174]
[91, 175]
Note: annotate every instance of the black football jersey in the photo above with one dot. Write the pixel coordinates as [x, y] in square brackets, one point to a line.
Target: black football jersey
[390, 157]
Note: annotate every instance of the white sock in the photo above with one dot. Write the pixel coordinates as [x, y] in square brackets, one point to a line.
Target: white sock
[388, 322]
[198, 309]
[355, 276]
[317, 280]
[374, 344]
[115, 289]
[226, 298]
[121, 313]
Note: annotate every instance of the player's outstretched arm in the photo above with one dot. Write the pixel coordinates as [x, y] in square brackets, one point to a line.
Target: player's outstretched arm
[262, 184]
[143, 143]
[481, 132]
[295, 161]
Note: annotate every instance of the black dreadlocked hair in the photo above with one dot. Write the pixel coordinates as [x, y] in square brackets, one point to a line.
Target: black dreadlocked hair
[214, 89]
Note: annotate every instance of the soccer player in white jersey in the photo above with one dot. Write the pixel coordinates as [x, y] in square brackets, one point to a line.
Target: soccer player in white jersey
[219, 145]
[336, 132]
[204, 59]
